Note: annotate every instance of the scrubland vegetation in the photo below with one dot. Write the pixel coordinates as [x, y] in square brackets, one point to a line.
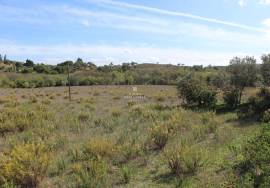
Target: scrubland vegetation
[210, 129]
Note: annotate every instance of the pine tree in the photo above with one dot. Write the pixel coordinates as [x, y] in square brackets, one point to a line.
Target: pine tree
[1, 58]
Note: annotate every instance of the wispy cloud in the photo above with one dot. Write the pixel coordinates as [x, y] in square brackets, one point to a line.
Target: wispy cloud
[171, 27]
[151, 24]
[135, 19]
[264, 2]
[179, 14]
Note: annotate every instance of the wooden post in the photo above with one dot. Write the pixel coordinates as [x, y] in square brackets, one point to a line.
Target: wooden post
[69, 90]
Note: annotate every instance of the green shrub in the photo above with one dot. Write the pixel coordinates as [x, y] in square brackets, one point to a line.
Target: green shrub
[137, 110]
[256, 105]
[115, 112]
[255, 167]
[131, 103]
[33, 99]
[126, 174]
[129, 150]
[87, 81]
[160, 98]
[74, 155]
[116, 98]
[185, 160]
[83, 117]
[90, 174]
[266, 116]
[74, 81]
[22, 83]
[13, 120]
[25, 165]
[231, 98]
[99, 148]
[159, 136]
[196, 93]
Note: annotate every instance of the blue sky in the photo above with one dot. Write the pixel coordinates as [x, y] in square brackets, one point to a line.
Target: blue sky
[174, 31]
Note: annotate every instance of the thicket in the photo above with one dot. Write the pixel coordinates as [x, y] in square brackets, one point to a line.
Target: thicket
[254, 169]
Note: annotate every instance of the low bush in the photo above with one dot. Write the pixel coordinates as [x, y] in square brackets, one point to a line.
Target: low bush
[196, 93]
[137, 110]
[83, 117]
[25, 165]
[115, 112]
[99, 148]
[129, 150]
[160, 98]
[90, 174]
[159, 136]
[185, 160]
[13, 120]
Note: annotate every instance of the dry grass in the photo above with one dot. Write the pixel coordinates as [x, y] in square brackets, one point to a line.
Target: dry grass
[104, 138]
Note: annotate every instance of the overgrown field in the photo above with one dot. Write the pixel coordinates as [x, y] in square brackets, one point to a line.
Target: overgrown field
[106, 138]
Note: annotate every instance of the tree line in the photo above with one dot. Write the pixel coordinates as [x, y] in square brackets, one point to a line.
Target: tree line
[246, 72]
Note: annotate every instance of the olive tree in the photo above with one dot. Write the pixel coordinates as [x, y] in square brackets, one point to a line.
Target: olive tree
[265, 69]
[243, 73]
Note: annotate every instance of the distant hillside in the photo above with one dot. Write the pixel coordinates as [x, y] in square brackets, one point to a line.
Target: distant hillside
[29, 74]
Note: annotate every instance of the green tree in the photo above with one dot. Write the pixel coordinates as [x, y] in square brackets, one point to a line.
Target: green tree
[91, 65]
[265, 69]
[18, 65]
[28, 63]
[118, 78]
[61, 68]
[243, 73]
[41, 68]
[125, 67]
[79, 64]
[1, 59]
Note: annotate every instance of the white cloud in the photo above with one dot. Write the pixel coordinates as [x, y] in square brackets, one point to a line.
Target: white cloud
[147, 21]
[266, 23]
[103, 54]
[86, 23]
[264, 2]
[144, 23]
[168, 27]
[242, 3]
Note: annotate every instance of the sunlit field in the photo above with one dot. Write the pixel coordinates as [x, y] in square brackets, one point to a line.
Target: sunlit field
[107, 136]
